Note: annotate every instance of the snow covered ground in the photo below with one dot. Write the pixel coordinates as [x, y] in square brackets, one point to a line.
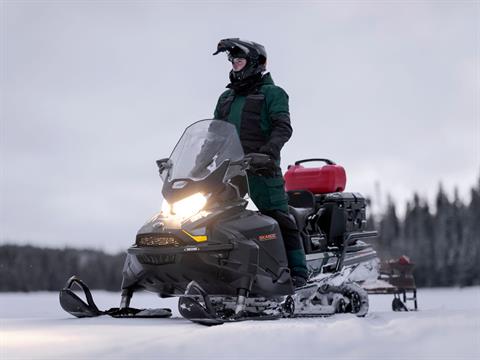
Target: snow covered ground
[33, 326]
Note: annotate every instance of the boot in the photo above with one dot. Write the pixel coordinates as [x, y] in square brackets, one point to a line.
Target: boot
[298, 267]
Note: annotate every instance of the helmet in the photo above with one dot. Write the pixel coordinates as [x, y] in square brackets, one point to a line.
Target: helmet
[254, 53]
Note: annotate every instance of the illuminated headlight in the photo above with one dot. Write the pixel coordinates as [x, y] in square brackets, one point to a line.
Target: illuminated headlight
[186, 207]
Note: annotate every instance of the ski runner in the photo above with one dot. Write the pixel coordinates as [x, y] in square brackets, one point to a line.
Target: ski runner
[259, 110]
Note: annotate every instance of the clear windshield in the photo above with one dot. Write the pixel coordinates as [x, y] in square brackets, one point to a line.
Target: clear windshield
[203, 147]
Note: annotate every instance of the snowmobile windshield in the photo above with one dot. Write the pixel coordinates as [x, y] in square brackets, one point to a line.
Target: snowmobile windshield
[203, 147]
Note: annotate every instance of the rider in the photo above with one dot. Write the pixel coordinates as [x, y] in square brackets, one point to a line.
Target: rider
[259, 110]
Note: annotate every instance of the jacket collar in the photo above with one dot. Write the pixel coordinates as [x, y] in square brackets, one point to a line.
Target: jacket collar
[251, 84]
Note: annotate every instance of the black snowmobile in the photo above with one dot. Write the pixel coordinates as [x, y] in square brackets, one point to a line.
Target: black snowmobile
[228, 263]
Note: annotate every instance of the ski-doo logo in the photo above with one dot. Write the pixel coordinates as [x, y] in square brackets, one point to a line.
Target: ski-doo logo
[267, 237]
[191, 248]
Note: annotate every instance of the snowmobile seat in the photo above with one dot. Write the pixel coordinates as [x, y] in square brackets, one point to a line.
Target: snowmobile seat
[301, 199]
[301, 204]
[300, 215]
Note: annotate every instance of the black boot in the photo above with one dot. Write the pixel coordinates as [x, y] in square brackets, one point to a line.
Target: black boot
[298, 281]
[293, 244]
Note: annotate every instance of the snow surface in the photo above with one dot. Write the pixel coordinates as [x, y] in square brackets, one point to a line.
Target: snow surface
[447, 326]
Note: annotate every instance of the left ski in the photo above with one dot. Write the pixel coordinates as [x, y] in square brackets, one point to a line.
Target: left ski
[75, 306]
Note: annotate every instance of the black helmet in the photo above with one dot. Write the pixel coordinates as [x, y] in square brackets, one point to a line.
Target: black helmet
[254, 53]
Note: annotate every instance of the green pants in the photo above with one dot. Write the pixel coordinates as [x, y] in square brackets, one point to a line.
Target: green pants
[268, 193]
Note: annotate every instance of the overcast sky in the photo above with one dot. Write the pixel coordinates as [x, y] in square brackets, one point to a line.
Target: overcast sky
[93, 92]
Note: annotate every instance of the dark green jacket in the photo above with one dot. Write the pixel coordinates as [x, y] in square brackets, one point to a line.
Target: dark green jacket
[262, 119]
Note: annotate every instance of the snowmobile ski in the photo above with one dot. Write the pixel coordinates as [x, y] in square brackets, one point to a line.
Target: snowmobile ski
[74, 305]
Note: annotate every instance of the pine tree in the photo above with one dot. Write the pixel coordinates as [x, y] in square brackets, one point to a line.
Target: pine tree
[418, 238]
[389, 228]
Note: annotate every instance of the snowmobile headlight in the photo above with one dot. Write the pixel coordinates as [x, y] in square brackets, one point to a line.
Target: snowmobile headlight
[186, 207]
[165, 207]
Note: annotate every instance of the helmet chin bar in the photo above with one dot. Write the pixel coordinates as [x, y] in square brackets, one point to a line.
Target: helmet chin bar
[249, 70]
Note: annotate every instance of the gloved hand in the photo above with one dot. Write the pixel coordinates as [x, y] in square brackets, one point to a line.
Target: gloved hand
[268, 168]
[270, 149]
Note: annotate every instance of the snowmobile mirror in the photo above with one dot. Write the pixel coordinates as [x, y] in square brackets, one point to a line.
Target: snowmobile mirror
[163, 164]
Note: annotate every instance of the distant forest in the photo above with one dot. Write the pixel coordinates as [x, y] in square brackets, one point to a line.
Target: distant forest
[444, 245]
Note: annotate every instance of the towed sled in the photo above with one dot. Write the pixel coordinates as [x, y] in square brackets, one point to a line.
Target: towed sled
[228, 263]
[396, 278]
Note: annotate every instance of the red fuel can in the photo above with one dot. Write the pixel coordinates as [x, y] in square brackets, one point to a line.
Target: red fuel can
[319, 180]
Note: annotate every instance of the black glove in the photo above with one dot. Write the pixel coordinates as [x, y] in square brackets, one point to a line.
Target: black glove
[270, 149]
[267, 169]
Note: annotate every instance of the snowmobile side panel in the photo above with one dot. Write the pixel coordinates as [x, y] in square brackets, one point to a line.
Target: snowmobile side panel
[256, 262]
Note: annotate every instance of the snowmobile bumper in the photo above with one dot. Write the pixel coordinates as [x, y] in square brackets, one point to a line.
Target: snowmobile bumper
[220, 269]
[137, 250]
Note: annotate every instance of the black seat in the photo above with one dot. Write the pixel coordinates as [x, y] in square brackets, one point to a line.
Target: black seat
[301, 199]
[302, 204]
[300, 215]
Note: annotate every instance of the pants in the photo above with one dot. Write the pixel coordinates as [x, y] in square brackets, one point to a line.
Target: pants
[268, 194]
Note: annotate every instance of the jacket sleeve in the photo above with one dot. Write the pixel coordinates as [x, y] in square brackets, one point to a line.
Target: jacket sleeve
[216, 113]
[278, 112]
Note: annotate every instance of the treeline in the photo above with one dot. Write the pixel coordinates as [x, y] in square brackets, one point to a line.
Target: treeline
[444, 244]
[28, 268]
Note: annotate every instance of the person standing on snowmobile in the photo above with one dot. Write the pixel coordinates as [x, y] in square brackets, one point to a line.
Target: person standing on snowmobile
[259, 110]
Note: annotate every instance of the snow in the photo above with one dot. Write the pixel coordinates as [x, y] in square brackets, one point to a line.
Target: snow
[33, 326]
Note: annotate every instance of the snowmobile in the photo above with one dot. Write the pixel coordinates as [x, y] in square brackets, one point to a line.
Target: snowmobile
[228, 263]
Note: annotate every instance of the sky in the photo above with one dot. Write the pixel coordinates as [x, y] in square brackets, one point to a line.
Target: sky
[93, 92]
